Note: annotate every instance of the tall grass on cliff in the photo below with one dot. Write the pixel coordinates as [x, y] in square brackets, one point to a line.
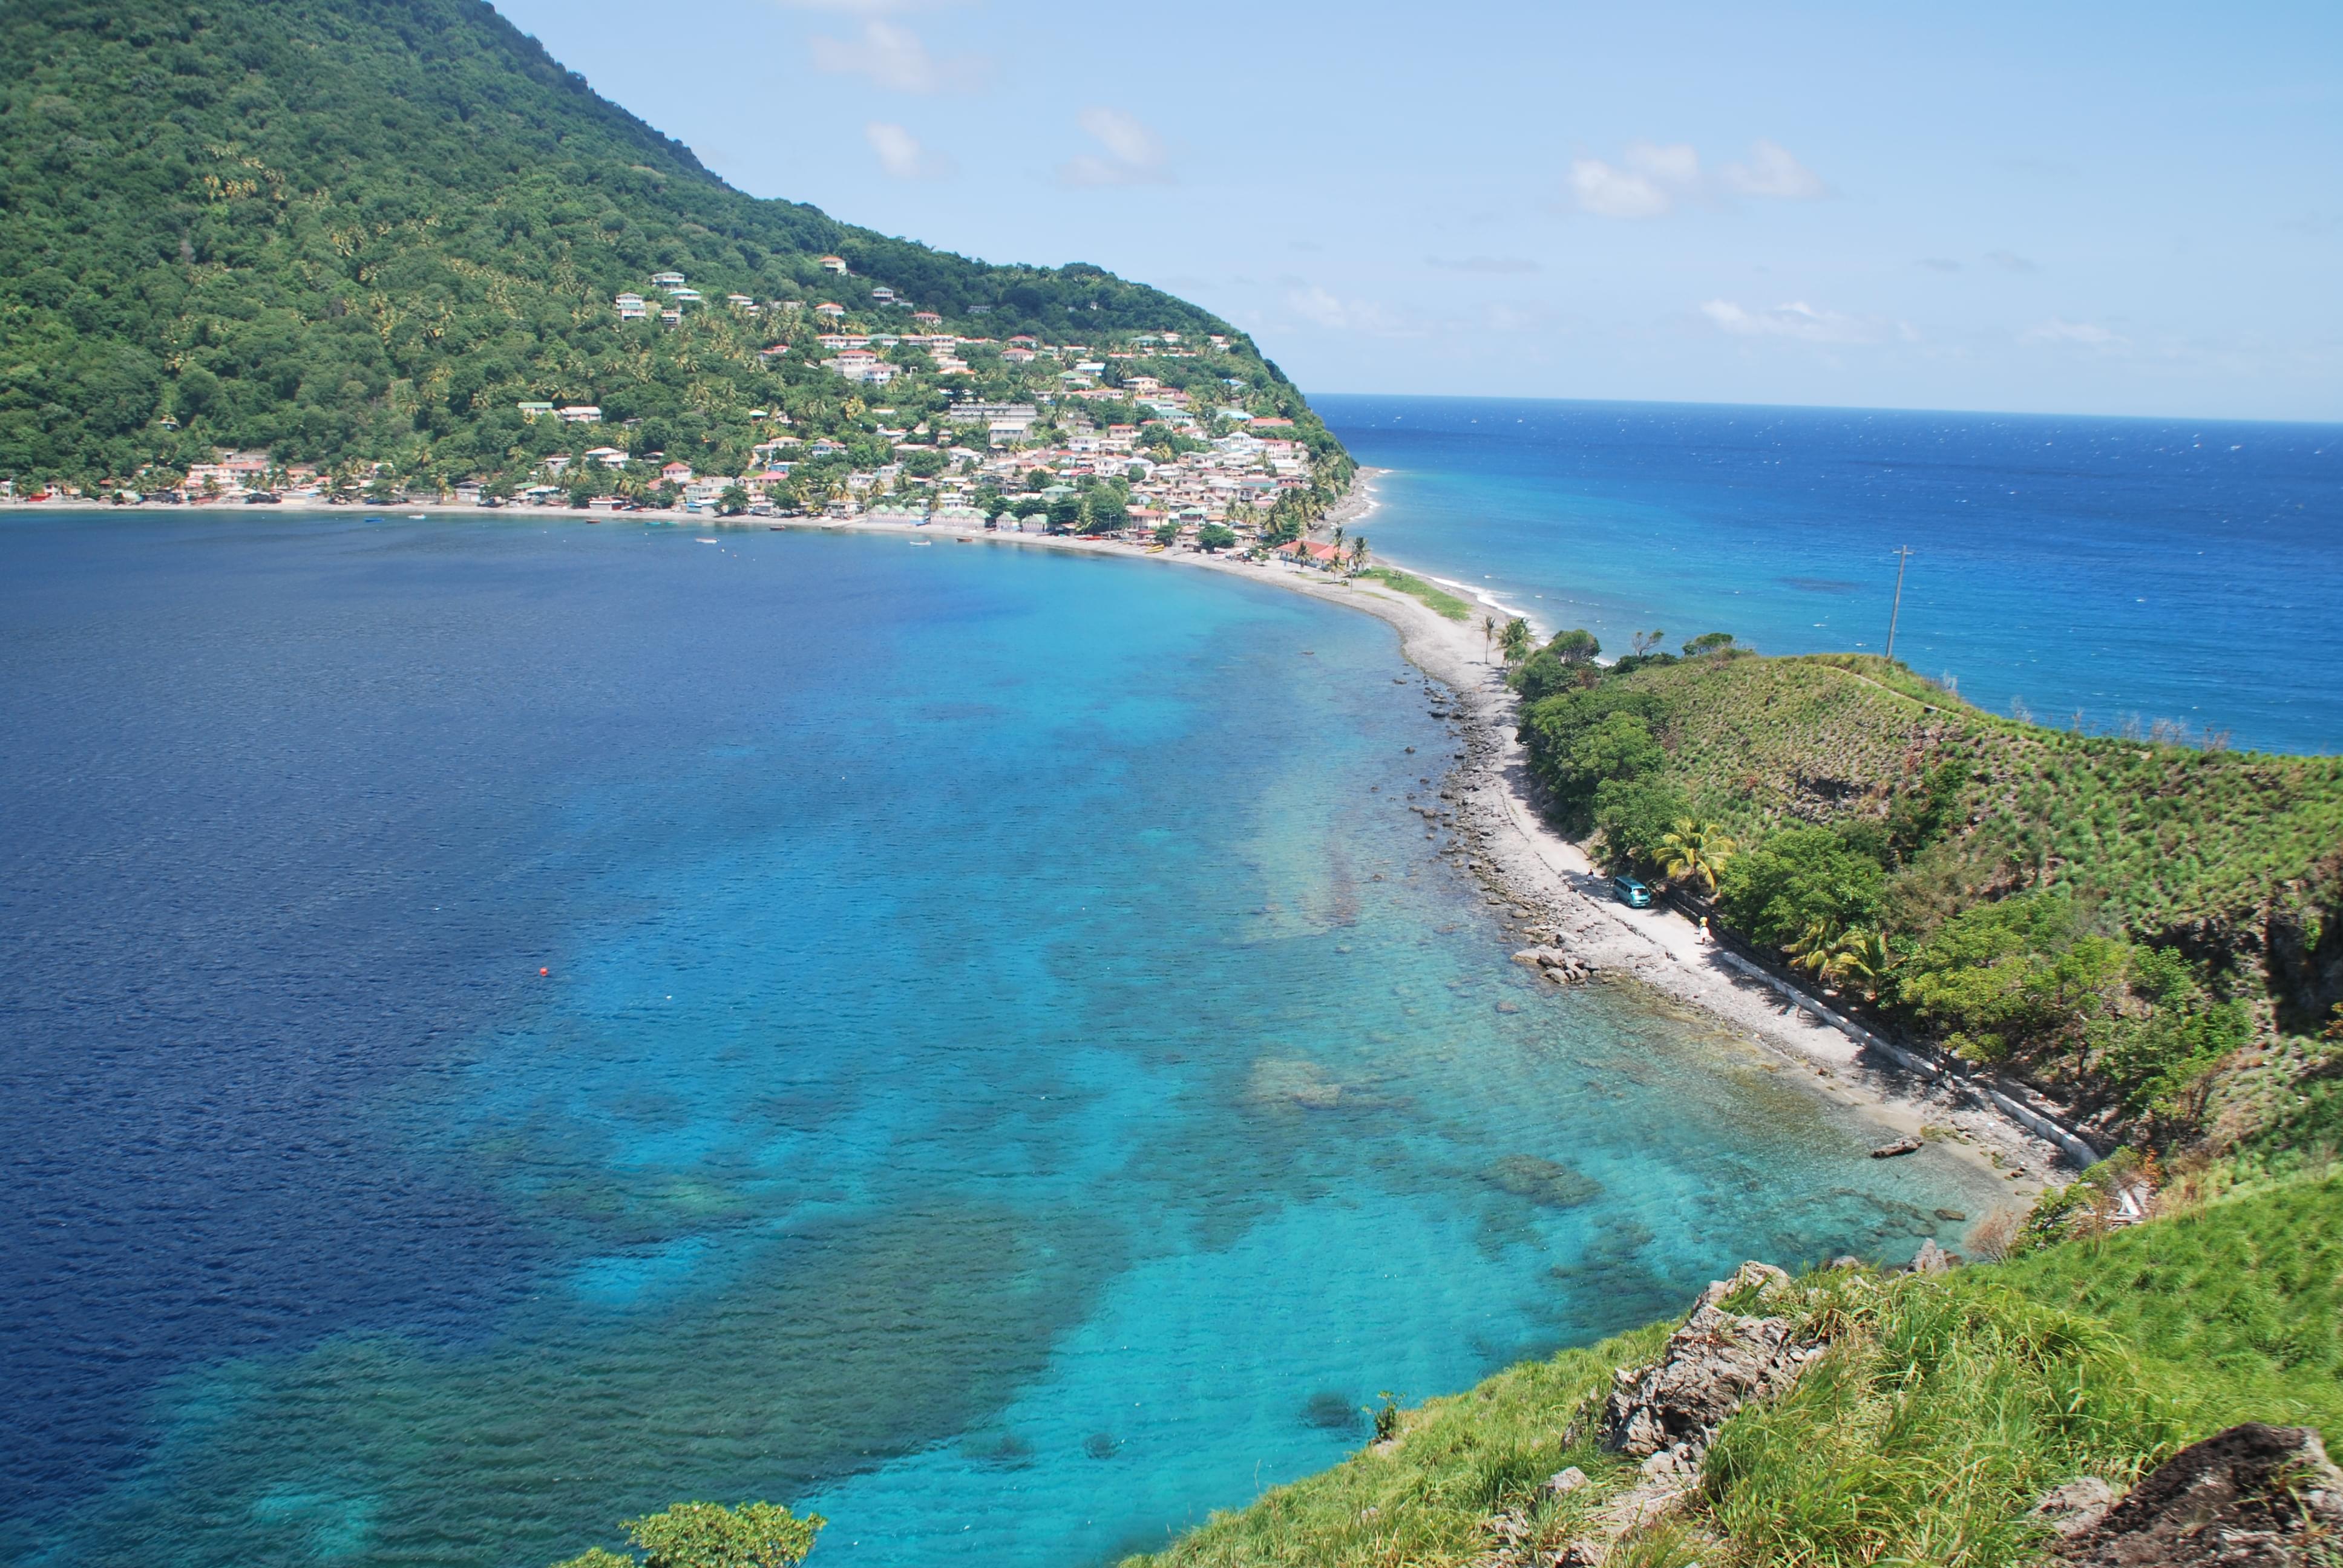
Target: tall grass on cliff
[1945, 1407]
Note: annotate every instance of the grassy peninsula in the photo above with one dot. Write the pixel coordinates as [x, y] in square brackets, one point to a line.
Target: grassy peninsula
[2144, 925]
[2141, 923]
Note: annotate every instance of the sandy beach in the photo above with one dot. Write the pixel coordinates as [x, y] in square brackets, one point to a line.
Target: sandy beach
[1543, 886]
[1549, 892]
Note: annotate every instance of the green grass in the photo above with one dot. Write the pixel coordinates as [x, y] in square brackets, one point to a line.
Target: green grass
[1457, 1461]
[1945, 1408]
[1438, 597]
[2160, 836]
[2240, 1303]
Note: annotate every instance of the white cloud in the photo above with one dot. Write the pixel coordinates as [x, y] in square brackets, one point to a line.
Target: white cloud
[860, 7]
[1771, 171]
[901, 155]
[1490, 263]
[1135, 156]
[893, 56]
[2080, 333]
[1805, 323]
[1651, 178]
[1647, 184]
[1317, 306]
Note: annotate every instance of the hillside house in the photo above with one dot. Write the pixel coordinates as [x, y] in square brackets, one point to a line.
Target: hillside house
[580, 414]
[631, 307]
[667, 280]
[836, 263]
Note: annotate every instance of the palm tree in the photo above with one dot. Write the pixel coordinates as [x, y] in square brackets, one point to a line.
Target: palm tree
[1814, 948]
[1515, 639]
[1864, 958]
[1488, 631]
[1698, 851]
[1358, 552]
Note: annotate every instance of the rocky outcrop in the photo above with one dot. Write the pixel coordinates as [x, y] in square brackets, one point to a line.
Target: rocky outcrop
[2254, 1496]
[1667, 1413]
[1555, 965]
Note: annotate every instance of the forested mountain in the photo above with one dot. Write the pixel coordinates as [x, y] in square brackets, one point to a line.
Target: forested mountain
[368, 229]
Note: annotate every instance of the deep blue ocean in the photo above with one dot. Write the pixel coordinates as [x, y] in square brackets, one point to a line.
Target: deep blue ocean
[1011, 1072]
[2072, 570]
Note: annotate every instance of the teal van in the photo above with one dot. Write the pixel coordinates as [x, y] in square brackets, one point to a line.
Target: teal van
[1631, 892]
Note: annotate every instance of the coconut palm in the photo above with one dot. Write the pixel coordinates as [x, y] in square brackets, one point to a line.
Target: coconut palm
[1488, 631]
[1861, 959]
[1815, 946]
[1696, 850]
[1515, 640]
[1358, 552]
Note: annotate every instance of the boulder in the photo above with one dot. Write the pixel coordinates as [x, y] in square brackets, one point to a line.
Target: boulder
[2076, 1506]
[2255, 1496]
[1930, 1259]
[1562, 1483]
[1901, 1146]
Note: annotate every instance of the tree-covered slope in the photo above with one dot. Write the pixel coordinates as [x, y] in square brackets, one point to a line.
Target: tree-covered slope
[2117, 916]
[369, 229]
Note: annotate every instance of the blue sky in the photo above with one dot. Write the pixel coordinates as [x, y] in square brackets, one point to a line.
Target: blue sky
[2089, 209]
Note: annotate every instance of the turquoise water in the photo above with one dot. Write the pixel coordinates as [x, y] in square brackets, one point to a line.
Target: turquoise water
[1012, 1074]
[2083, 571]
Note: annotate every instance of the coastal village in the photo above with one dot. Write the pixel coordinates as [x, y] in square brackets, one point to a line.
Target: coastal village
[876, 410]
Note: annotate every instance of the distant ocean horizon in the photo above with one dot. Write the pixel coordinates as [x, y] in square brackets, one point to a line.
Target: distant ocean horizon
[2106, 572]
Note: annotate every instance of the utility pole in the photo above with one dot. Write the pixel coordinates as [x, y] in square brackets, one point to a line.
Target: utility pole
[1903, 559]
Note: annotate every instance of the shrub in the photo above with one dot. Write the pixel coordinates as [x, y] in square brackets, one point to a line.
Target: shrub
[1635, 815]
[711, 1535]
[1796, 881]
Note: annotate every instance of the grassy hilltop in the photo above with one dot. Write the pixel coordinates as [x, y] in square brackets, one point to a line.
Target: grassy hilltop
[1945, 1406]
[364, 231]
[2137, 922]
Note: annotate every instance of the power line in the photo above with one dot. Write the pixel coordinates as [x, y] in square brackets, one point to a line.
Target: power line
[1903, 559]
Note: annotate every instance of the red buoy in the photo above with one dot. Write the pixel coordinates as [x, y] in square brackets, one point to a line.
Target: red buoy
[545, 972]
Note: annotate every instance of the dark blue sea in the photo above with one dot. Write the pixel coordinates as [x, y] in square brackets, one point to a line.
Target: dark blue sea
[2102, 572]
[1010, 1072]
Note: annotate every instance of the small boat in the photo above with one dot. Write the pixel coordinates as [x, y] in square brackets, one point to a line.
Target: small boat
[373, 520]
[922, 544]
[706, 541]
[416, 517]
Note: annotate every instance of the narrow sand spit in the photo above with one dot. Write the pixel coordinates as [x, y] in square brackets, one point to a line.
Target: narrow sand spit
[1547, 890]
[1549, 893]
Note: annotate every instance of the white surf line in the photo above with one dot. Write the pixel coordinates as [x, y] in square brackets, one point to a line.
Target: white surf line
[1479, 594]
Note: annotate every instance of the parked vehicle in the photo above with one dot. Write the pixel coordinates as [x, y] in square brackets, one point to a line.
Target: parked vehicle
[1631, 892]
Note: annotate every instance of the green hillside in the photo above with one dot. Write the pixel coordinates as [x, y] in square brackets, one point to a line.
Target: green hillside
[1945, 1407]
[366, 230]
[2119, 917]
